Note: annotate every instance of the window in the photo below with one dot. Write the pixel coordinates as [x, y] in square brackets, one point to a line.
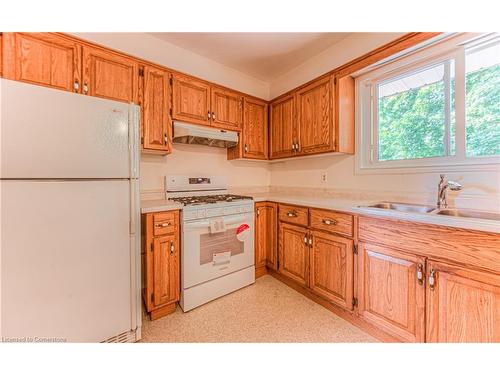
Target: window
[434, 107]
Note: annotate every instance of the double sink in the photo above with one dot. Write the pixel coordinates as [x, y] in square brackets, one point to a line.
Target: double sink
[420, 209]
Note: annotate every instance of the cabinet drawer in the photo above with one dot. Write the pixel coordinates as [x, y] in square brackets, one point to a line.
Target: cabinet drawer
[164, 223]
[330, 221]
[293, 214]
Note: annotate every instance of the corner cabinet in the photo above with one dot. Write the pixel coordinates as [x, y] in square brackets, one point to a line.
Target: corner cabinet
[253, 143]
[45, 59]
[154, 99]
[282, 129]
[160, 262]
[265, 237]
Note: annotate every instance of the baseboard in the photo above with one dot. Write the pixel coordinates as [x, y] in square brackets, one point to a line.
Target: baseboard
[162, 311]
[349, 316]
[260, 271]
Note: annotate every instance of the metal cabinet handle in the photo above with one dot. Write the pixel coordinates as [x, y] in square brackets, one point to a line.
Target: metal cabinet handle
[209, 116]
[292, 214]
[432, 279]
[85, 88]
[329, 222]
[76, 85]
[172, 248]
[166, 138]
[258, 211]
[310, 241]
[163, 225]
[293, 146]
[305, 239]
[246, 148]
[213, 115]
[420, 274]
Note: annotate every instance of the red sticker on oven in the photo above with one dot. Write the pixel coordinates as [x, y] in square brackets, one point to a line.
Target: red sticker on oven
[242, 232]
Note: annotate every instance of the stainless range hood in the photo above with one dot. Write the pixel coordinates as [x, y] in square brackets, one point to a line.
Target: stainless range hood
[202, 135]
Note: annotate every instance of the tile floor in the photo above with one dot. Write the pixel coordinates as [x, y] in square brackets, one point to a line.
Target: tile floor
[267, 311]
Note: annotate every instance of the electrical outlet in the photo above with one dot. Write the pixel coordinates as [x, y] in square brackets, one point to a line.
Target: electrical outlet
[323, 177]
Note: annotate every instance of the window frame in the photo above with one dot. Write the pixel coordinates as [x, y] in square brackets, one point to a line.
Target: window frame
[366, 116]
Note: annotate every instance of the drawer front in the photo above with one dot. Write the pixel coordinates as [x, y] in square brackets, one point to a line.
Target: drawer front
[164, 223]
[330, 221]
[294, 214]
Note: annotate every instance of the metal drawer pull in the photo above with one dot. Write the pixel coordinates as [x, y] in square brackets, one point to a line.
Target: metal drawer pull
[329, 222]
[420, 274]
[292, 214]
[172, 247]
[432, 279]
[163, 225]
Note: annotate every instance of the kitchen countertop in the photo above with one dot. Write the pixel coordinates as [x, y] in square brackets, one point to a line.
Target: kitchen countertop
[352, 206]
[346, 205]
[157, 205]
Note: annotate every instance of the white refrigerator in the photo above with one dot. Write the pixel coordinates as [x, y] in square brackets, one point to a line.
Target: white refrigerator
[70, 223]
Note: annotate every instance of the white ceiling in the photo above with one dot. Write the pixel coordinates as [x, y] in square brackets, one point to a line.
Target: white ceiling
[265, 56]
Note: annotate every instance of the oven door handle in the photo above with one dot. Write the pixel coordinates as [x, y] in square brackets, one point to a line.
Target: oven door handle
[227, 221]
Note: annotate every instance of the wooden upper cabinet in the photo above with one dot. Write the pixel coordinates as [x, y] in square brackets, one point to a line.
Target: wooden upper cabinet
[266, 235]
[155, 104]
[226, 109]
[283, 131]
[331, 268]
[166, 269]
[294, 253]
[315, 117]
[110, 75]
[191, 100]
[390, 295]
[344, 114]
[463, 305]
[254, 134]
[44, 59]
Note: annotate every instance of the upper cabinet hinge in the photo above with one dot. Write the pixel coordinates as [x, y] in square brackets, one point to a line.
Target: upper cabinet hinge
[355, 249]
[141, 72]
[152, 246]
[171, 80]
[334, 80]
[354, 302]
[171, 112]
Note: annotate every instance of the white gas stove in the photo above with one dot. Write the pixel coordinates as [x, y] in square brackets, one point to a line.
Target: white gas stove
[217, 255]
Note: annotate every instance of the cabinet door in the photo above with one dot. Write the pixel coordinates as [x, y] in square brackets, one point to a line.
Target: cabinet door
[391, 292]
[282, 128]
[226, 109]
[294, 253]
[463, 305]
[157, 125]
[266, 235]
[254, 133]
[42, 58]
[315, 117]
[109, 75]
[191, 100]
[331, 268]
[166, 284]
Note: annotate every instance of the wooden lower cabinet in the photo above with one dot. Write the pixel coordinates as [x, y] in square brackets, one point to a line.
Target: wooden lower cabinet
[160, 262]
[391, 291]
[294, 253]
[462, 305]
[331, 268]
[266, 252]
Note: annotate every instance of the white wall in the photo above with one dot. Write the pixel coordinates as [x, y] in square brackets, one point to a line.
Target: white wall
[152, 49]
[346, 50]
[200, 161]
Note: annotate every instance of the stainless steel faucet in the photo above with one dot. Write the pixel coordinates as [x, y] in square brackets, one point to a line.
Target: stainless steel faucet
[443, 188]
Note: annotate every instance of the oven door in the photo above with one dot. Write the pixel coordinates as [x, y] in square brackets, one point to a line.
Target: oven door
[207, 255]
